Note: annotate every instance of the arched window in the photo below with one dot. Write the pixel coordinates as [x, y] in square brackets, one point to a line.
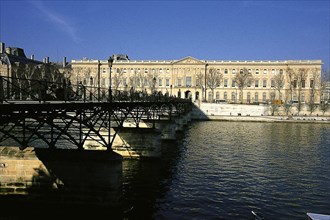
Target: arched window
[264, 96]
[233, 96]
[256, 97]
[303, 97]
[210, 96]
[248, 97]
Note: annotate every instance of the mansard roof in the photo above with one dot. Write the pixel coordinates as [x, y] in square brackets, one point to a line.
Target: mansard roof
[12, 59]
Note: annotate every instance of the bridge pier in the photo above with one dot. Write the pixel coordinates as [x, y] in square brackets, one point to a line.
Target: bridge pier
[65, 176]
[180, 122]
[138, 143]
[165, 126]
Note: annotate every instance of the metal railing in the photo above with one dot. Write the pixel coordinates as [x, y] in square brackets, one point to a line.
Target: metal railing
[21, 89]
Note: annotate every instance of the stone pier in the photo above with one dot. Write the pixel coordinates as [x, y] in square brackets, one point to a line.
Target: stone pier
[138, 143]
[66, 176]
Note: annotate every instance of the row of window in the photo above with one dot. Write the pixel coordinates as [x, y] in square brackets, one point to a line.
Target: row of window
[188, 82]
[256, 71]
[167, 70]
[249, 97]
[145, 70]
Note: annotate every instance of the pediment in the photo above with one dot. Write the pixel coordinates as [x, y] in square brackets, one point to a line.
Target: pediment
[188, 60]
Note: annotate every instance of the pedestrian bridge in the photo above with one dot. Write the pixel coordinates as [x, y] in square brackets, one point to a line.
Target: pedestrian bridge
[84, 119]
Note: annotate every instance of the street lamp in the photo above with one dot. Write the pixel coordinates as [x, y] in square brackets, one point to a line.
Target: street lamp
[154, 84]
[90, 91]
[110, 62]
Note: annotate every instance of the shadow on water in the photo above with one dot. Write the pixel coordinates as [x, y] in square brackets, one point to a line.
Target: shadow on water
[88, 185]
[145, 181]
[83, 184]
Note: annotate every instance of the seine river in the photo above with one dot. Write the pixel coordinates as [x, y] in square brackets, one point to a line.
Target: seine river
[216, 170]
[224, 170]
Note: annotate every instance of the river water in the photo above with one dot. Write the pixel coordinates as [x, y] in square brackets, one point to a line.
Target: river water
[215, 170]
[225, 170]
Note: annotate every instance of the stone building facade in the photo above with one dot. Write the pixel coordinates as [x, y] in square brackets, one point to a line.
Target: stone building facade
[207, 80]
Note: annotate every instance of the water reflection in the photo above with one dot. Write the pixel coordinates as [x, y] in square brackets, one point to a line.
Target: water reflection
[229, 169]
[218, 170]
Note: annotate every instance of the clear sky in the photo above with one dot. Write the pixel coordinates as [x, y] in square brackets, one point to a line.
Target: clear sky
[168, 30]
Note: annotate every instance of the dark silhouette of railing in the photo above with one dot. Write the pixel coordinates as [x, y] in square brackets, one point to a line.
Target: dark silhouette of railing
[21, 89]
[51, 112]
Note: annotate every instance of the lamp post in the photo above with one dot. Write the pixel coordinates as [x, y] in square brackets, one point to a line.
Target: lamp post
[98, 81]
[205, 88]
[90, 91]
[110, 62]
[154, 84]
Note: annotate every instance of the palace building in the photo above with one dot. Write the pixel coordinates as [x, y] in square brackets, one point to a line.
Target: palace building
[260, 81]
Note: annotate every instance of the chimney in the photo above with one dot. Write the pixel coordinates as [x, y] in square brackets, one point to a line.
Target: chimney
[32, 57]
[8, 50]
[2, 47]
[64, 62]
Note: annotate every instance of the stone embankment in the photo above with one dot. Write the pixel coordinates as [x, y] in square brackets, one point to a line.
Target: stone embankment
[253, 113]
[295, 119]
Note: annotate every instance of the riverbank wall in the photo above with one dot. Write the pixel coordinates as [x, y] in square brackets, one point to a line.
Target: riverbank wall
[253, 113]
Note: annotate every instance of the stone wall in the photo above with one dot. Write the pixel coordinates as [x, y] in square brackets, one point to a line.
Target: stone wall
[68, 176]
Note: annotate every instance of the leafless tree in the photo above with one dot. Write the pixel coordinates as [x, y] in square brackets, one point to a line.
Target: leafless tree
[274, 104]
[200, 81]
[117, 78]
[151, 79]
[290, 75]
[77, 72]
[142, 80]
[279, 84]
[55, 75]
[213, 79]
[16, 72]
[315, 83]
[300, 84]
[241, 79]
[325, 99]
[288, 99]
[31, 74]
[133, 81]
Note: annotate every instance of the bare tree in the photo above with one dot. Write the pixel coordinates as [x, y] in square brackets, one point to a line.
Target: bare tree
[142, 79]
[133, 81]
[200, 81]
[242, 79]
[54, 74]
[77, 72]
[288, 100]
[325, 96]
[31, 74]
[279, 84]
[151, 79]
[117, 78]
[16, 72]
[300, 84]
[213, 79]
[290, 75]
[314, 85]
[274, 104]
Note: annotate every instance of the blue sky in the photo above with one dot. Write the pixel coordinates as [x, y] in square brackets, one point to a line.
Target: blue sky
[207, 30]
